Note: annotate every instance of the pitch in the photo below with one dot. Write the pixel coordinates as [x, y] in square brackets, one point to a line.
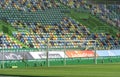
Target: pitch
[100, 70]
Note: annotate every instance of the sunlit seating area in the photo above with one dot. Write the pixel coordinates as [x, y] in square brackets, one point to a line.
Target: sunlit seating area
[109, 13]
[6, 42]
[28, 5]
[67, 29]
[38, 21]
[75, 3]
[12, 14]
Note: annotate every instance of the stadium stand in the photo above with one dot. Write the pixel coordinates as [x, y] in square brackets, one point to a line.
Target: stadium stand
[67, 29]
[28, 5]
[37, 21]
[105, 11]
[7, 42]
[15, 13]
[28, 25]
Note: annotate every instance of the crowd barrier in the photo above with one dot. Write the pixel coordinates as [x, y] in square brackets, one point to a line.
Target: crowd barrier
[68, 57]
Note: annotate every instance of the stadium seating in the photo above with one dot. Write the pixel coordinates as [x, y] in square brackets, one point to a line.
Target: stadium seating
[28, 5]
[22, 10]
[67, 29]
[28, 26]
[74, 3]
[62, 31]
[7, 42]
[36, 22]
[109, 13]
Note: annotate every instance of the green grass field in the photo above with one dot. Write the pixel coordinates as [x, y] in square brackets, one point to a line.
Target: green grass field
[100, 70]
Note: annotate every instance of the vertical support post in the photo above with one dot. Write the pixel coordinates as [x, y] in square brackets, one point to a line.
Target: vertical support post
[95, 53]
[3, 56]
[47, 54]
[64, 53]
[3, 59]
